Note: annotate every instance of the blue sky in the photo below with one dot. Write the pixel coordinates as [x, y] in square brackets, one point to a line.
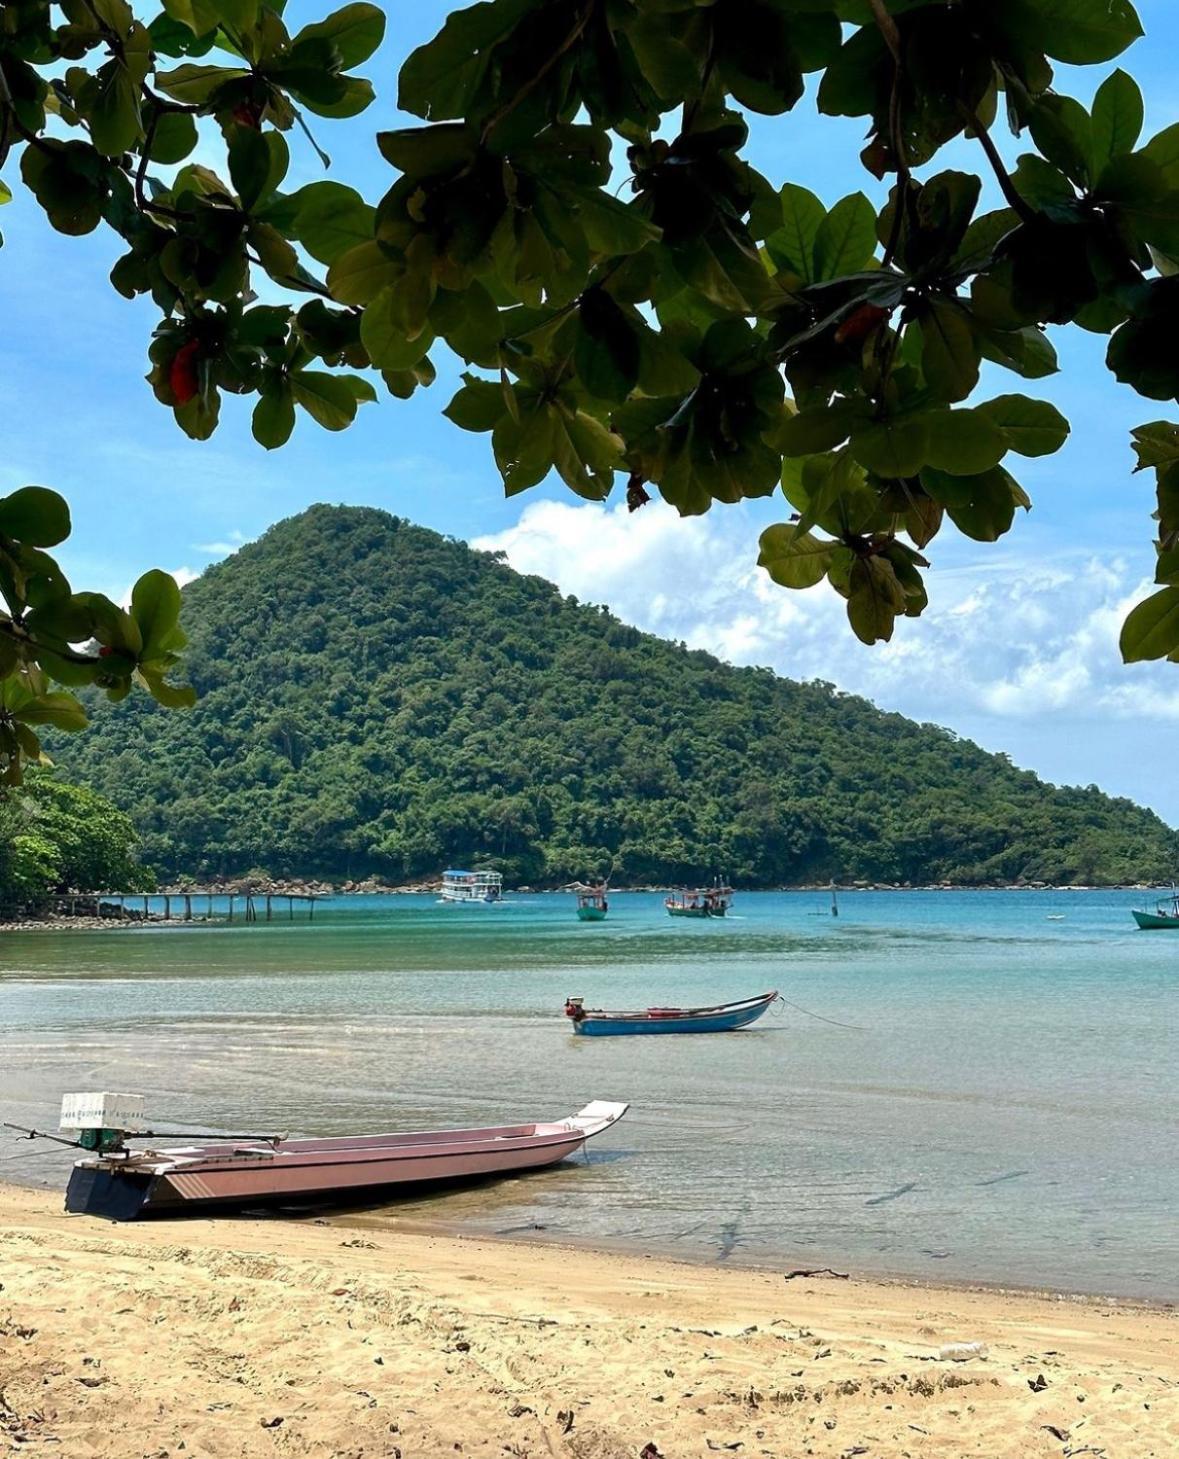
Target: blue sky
[1017, 648]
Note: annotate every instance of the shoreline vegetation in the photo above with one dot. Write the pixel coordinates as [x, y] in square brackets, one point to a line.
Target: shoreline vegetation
[332, 1337]
[61, 919]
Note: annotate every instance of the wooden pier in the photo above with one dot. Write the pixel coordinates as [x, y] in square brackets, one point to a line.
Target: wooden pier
[202, 906]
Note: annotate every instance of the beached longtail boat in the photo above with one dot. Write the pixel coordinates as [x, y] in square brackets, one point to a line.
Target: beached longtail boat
[720, 1019]
[123, 1184]
[592, 905]
[712, 901]
[1165, 914]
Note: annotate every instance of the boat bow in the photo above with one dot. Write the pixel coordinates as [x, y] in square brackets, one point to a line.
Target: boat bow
[597, 1116]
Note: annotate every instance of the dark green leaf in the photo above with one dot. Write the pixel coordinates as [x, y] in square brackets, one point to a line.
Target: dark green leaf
[1152, 629]
[1031, 427]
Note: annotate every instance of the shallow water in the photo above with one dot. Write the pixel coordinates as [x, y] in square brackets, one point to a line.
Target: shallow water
[1003, 1109]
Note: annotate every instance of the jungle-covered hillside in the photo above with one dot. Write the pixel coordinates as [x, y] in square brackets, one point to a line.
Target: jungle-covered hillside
[378, 700]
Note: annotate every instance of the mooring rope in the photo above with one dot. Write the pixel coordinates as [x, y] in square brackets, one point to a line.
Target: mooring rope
[834, 1022]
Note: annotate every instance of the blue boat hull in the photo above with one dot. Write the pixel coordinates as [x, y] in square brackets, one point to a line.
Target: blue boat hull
[711, 1022]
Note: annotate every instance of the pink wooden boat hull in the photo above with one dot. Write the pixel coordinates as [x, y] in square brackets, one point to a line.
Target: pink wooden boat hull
[126, 1185]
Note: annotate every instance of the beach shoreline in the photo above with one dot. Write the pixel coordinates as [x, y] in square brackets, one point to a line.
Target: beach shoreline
[336, 1340]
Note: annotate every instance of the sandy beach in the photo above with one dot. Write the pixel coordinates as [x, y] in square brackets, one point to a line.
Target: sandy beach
[267, 1337]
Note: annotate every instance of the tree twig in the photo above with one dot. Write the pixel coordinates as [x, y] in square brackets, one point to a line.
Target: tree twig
[538, 75]
[986, 141]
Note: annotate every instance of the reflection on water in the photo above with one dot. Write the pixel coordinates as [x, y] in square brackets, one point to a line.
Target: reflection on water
[1003, 1108]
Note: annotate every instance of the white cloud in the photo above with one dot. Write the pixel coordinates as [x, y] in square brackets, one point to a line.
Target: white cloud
[232, 542]
[1008, 636]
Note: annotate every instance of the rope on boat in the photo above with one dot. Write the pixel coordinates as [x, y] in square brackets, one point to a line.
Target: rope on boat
[835, 1023]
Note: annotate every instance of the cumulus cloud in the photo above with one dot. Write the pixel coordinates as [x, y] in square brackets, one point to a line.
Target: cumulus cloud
[1008, 636]
[231, 543]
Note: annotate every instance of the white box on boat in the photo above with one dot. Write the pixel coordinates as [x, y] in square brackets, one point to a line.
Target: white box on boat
[102, 1111]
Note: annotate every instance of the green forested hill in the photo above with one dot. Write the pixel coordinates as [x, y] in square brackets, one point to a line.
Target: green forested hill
[375, 698]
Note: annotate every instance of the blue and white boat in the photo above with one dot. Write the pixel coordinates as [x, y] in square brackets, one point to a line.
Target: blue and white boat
[472, 886]
[719, 1019]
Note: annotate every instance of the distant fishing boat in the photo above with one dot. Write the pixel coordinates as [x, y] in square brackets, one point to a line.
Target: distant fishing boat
[123, 1184]
[720, 1019]
[472, 886]
[713, 901]
[1165, 914]
[592, 905]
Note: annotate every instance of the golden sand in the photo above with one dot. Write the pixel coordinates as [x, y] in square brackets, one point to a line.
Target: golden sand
[233, 1338]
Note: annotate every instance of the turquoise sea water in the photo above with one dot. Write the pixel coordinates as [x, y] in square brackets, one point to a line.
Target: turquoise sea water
[1003, 1110]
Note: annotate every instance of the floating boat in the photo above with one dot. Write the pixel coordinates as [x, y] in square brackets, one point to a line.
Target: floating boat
[123, 1184]
[1165, 914]
[720, 1019]
[472, 886]
[707, 902]
[592, 905]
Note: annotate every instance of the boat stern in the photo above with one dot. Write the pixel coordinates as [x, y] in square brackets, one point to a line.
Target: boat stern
[97, 1189]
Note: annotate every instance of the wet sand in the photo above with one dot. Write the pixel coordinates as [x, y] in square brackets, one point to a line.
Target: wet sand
[233, 1338]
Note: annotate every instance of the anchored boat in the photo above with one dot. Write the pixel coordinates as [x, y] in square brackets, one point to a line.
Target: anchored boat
[712, 901]
[592, 905]
[472, 886]
[719, 1019]
[123, 1184]
[1165, 914]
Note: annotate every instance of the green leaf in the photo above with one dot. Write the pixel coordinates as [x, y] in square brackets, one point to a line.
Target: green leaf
[155, 606]
[62, 711]
[196, 85]
[332, 220]
[963, 442]
[606, 354]
[274, 416]
[1156, 444]
[355, 31]
[200, 16]
[1117, 119]
[1031, 427]
[812, 431]
[982, 506]
[36, 516]
[327, 400]
[477, 406]
[174, 137]
[893, 448]
[171, 696]
[1163, 151]
[1081, 32]
[1152, 629]
[1061, 129]
[358, 276]
[949, 352]
[846, 238]
[793, 558]
[792, 247]
[1028, 352]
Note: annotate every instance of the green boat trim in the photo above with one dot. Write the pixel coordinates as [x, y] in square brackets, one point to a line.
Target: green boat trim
[592, 905]
[1164, 916]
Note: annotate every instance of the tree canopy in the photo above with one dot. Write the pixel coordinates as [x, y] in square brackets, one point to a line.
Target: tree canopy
[576, 219]
[377, 700]
[56, 837]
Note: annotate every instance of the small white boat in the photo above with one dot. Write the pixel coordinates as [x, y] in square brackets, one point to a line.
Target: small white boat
[472, 886]
[123, 1184]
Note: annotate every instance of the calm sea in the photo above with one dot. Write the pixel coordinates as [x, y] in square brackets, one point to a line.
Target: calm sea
[1002, 1108]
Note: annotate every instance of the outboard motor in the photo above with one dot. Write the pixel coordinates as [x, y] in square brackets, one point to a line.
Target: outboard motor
[101, 1122]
